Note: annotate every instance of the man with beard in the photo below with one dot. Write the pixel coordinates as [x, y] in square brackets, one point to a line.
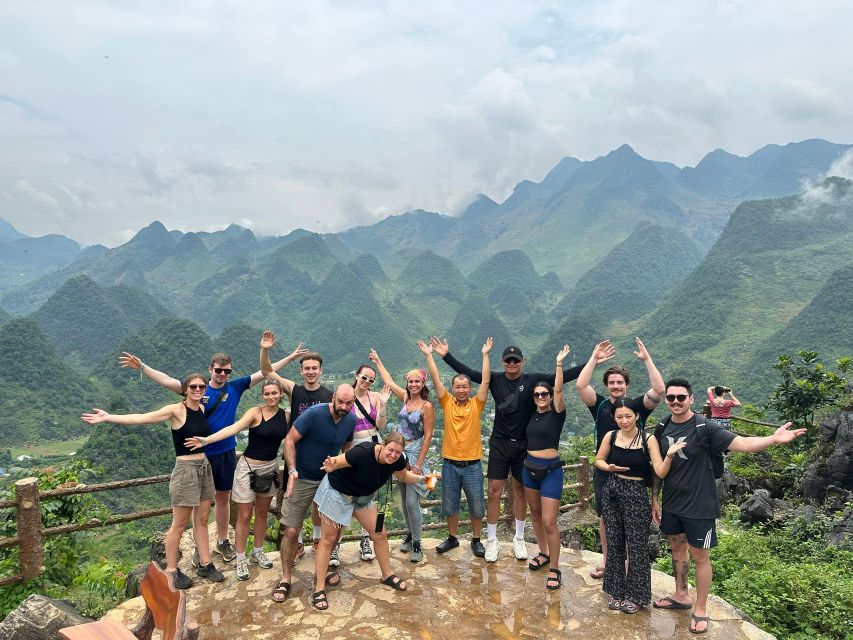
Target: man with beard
[321, 431]
[616, 380]
[690, 506]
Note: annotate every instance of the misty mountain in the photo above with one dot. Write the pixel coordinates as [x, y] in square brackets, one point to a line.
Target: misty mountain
[474, 322]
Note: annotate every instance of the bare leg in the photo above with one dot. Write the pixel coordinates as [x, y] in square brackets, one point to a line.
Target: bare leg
[323, 551]
[180, 519]
[262, 509]
[222, 513]
[519, 503]
[241, 532]
[288, 551]
[704, 574]
[367, 518]
[681, 569]
[534, 499]
[452, 524]
[550, 509]
[201, 515]
[315, 517]
[493, 500]
[476, 527]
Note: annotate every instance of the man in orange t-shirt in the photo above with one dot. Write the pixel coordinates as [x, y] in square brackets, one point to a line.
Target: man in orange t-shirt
[461, 449]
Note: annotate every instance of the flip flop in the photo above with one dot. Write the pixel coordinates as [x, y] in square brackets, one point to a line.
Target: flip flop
[673, 604]
[394, 582]
[696, 620]
[283, 588]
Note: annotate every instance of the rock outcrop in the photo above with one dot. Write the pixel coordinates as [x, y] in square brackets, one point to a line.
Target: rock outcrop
[39, 618]
[835, 469]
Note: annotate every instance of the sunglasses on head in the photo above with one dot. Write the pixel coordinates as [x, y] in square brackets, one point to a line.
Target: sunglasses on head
[672, 397]
[197, 387]
[541, 394]
[366, 379]
[221, 370]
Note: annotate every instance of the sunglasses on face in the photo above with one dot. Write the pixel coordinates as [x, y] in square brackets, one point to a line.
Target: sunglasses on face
[512, 361]
[197, 387]
[366, 379]
[220, 371]
[541, 394]
[672, 397]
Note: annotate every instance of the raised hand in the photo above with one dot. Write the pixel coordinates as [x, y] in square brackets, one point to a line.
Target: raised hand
[603, 352]
[675, 448]
[783, 436]
[298, 351]
[439, 345]
[268, 340]
[129, 361]
[374, 357]
[425, 348]
[488, 345]
[385, 394]
[641, 351]
[328, 464]
[97, 417]
[563, 353]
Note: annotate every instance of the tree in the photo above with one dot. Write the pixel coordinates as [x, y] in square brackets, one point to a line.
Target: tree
[807, 385]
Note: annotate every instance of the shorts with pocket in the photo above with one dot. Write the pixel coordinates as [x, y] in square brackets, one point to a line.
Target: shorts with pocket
[191, 483]
[241, 491]
[295, 508]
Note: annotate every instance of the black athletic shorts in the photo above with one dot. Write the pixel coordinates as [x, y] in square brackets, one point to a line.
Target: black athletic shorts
[506, 456]
[700, 533]
[223, 465]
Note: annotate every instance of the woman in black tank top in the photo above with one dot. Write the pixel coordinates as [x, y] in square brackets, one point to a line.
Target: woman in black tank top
[191, 487]
[267, 425]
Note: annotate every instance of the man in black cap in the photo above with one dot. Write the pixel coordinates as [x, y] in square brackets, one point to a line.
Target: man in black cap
[512, 390]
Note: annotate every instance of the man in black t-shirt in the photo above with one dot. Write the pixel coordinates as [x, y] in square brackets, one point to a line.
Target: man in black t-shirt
[512, 391]
[690, 505]
[616, 380]
[301, 397]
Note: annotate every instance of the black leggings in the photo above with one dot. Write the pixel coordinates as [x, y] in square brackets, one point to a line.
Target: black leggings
[627, 514]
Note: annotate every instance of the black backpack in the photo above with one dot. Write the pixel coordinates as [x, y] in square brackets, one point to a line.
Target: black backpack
[650, 474]
[715, 460]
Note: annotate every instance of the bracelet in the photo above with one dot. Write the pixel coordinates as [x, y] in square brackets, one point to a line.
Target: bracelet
[291, 472]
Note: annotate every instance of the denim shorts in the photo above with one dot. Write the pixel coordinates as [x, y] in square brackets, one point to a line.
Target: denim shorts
[454, 480]
[551, 486]
[336, 506]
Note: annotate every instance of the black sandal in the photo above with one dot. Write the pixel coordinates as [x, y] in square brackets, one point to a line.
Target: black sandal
[537, 564]
[558, 579]
[333, 578]
[319, 598]
[395, 582]
[283, 588]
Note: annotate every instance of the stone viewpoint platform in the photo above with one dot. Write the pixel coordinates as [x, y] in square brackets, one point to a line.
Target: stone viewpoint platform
[451, 597]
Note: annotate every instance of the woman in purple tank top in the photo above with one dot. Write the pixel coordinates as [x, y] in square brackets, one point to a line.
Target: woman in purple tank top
[191, 485]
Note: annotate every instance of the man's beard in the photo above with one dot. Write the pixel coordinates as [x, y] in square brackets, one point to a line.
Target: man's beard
[340, 412]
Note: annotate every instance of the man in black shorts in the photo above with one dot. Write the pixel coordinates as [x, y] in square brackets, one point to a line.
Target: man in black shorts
[512, 391]
[616, 380]
[690, 505]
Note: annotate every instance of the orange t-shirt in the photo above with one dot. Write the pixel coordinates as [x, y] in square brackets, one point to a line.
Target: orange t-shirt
[461, 428]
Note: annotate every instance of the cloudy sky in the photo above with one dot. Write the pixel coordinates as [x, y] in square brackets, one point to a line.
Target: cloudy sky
[324, 115]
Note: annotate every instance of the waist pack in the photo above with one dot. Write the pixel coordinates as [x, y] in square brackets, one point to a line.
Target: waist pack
[538, 471]
[262, 483]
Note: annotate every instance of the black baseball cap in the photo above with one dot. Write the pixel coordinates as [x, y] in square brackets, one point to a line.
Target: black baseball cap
[512, 353]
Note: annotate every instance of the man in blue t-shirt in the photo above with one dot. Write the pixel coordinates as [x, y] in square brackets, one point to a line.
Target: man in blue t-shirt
[220, 407]
[690, 506]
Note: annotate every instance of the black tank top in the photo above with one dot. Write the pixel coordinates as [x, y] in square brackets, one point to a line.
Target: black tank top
[265, 439]
[194, 425]
[636, 460]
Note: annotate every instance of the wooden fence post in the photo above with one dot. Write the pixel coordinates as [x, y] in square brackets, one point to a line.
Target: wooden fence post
[583, 478]
[31, 557]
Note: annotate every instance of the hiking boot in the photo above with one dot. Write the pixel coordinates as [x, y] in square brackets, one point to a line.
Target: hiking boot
[210, 572]
[407, 546]
[519, 548]
[366, 552]
[334, 560]
[491, 550]
[195, 561]
[260, 558]
[182, 580]
[478, 548]
[450, 543]
[226, 550]
[242, 569]
[417, 552]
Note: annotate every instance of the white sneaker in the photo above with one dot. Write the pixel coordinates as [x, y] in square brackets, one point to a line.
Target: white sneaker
[242, 569]
[260, 558]
[491, 550]
[334, 560]
[519, 548]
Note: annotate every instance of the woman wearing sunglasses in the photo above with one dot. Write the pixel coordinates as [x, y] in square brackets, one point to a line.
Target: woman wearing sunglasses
[256, 472]
[416, 423]
[191, 486]
[369, 410]
[542, 475]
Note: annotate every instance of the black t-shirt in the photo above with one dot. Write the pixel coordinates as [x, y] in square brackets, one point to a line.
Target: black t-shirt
[513, 398]
[365, 476]
[689, 489]
[544, 429]
[301, 398]
[602, 414]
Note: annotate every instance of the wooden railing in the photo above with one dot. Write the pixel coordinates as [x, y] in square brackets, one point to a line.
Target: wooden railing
[30, 533]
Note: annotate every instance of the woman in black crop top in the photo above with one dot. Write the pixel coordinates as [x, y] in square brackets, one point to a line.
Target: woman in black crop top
[267, 425]
[542, 475]
[191, 486]
[630, 457]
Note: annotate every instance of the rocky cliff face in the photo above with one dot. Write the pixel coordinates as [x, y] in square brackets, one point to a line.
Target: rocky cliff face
[832, 475]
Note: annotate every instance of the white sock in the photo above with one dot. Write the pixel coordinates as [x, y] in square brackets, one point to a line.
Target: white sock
[519, 528]
[258, 550]
[241, 556]
[315, 531]
[223, 541]
[491, 531]
[299, 538]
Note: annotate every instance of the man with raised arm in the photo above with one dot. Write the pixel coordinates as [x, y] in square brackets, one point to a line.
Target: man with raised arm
[220, 402]
[301, 396]
[321, 431]
[616, 380]
[690, 504]
[512, 390]
[461, 448]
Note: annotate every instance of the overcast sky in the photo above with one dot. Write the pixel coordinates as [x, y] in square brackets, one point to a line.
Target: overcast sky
[324, 115]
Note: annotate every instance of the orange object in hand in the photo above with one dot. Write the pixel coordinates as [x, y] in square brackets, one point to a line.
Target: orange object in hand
[432, 481]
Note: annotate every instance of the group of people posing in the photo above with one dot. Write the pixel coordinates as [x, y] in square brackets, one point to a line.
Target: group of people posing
[340, 449]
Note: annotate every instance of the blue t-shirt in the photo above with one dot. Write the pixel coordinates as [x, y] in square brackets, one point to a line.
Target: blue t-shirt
[321, 437]
[225, 413]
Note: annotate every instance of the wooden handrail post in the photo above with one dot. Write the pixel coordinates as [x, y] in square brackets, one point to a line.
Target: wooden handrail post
[28, 521]
[583, 478]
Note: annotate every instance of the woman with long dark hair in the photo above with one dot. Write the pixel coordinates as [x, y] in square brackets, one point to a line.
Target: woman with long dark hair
[191, 486]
